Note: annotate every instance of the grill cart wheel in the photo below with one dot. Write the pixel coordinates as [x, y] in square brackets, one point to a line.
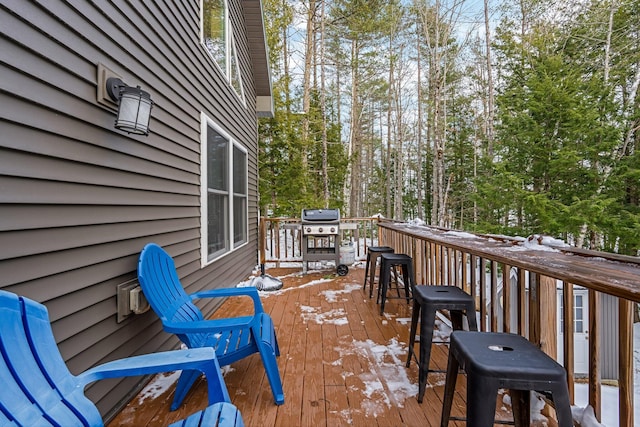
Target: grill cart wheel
[342, 270]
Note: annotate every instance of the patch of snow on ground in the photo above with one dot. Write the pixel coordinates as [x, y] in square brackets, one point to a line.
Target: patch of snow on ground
[158, 385]
[332, 296]
[403, 320]
[386, 381]
[337, 316]
[284, 290]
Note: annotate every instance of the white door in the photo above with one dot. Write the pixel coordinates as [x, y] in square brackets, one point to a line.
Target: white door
[580, 336]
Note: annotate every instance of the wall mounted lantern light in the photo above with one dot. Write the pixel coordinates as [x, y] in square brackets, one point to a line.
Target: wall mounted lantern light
[134, 106]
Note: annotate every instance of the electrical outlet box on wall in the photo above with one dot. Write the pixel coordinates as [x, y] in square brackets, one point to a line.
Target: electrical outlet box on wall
[130, 300]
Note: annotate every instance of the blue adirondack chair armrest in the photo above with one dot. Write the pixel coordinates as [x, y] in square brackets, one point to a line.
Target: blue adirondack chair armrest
[211, 325]
[232, 292]
[196, 359]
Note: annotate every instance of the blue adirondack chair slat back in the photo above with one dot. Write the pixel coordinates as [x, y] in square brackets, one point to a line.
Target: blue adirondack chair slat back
[164, 291]
[37, 387]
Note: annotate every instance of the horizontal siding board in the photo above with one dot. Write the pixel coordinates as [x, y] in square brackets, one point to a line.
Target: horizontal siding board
[18, 270]
[33, 242]
[24, 190]
[29, 217]
[27, 165]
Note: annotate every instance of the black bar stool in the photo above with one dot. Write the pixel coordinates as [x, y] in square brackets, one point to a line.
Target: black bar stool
[500, 360]
[388, 262]
[426, 301]
[373, 253]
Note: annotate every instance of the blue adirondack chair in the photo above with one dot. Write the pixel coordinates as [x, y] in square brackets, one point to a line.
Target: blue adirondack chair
[37, 389]
[232, 338]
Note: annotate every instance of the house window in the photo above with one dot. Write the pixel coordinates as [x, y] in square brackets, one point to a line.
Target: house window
[218, 39]
[224, 193]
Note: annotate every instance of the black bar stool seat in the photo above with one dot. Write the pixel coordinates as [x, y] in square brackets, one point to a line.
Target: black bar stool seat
[500, 360]
[373, 253]
[389, 261]
[426, 301]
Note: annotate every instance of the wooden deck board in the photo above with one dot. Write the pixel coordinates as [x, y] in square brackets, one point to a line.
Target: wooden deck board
[342, 363]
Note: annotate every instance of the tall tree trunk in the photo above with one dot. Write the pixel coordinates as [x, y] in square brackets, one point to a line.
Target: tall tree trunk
[490, 90]
[323, 111]
[399, 148]
[389, 164]
[285, 64]
[306, 88]
[419, 135]
[355, 141]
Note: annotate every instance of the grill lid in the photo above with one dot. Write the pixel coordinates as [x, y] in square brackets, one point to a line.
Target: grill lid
[320, 215]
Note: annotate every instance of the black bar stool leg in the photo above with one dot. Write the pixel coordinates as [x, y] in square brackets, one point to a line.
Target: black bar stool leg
[385, 273]
[521, 405]
[481, 401]
[427, 321]
[412, 332]
[366, 275]
[449, 389]
[563, 405]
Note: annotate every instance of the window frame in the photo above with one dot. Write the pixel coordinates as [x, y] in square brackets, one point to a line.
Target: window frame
[230, 243]
[231, 52]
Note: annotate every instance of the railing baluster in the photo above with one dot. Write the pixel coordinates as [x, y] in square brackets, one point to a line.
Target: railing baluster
[506, 298]
[483, 295]
[594, 353]
[494, 295]
[568, 328]
[465, 274]
[625, 366]
[474, 281]
[534, 309]
[522, 302]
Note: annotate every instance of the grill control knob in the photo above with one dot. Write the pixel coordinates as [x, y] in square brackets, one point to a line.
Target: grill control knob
[308, 229]
[320, 230]
[333, 229]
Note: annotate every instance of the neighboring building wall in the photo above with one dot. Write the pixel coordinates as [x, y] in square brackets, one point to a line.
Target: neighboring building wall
[609, 337]
[78, 198]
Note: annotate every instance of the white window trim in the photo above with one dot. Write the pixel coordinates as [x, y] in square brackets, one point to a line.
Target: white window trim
[205, 121]
[230, 49]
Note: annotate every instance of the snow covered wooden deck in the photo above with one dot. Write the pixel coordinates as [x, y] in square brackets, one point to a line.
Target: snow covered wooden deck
[341, 362]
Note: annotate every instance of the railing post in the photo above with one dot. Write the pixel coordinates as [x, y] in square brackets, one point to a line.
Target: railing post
[262, 235]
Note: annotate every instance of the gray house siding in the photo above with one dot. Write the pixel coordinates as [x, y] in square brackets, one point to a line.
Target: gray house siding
[78, 198]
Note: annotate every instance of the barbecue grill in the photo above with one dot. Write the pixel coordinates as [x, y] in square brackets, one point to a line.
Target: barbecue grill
[321, 238]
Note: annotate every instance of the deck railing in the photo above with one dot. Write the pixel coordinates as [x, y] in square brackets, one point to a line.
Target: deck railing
[281, 239]
[527, 305]
[516, 284]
